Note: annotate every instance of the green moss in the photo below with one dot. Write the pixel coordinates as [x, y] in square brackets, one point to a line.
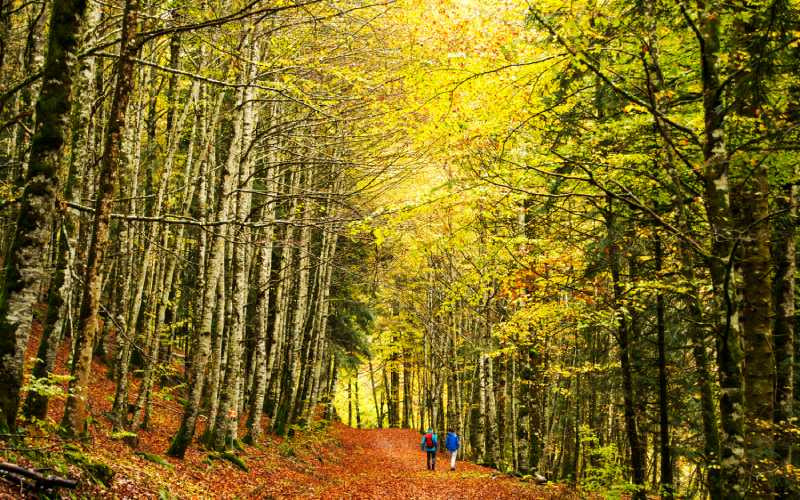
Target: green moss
[235, 460]
[179, 443]
[98, 471]
[155, 459]
[230, 457]
[237, 445]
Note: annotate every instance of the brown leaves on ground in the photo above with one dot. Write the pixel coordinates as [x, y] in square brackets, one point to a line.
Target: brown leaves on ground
[339, 462]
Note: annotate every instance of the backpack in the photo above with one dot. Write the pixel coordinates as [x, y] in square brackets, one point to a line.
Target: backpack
[452, 441]
[429, 440]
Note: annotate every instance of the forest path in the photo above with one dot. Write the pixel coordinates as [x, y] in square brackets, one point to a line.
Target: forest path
[388, 463]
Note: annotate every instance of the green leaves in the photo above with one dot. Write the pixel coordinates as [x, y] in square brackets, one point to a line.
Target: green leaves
[51, 386]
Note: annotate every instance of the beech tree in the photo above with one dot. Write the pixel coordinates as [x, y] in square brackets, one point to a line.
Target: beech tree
[24, 270]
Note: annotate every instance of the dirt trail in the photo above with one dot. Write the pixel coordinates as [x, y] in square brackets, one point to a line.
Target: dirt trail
[388, 463]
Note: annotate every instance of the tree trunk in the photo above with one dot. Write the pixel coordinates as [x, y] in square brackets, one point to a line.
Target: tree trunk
[491, 455]
[225, 426]
[329, 242]
[631, 427]
[666, 481]
[406, 392]
[215, 370]
[262, 313]
[289, 395]
[75, 409]
[358, 408]
[282, 312]
[24, 271]
[730, 356]
[785, 320]
[349, 401]
[378, 406]
[755, 309]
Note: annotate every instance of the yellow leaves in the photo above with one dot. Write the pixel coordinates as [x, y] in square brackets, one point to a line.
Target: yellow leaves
[567, 372]
[634, 108]
[379, 235]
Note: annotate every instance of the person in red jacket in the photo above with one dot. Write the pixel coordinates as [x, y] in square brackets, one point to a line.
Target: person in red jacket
[429, 445]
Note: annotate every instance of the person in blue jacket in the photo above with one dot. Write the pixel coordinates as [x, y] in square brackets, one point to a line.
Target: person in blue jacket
[429, 445]
[452, 443]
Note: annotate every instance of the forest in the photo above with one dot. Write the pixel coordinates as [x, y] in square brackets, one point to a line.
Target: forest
[263, 237]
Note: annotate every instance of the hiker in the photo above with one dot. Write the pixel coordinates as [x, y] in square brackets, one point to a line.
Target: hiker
[429, 444]
[452, 444]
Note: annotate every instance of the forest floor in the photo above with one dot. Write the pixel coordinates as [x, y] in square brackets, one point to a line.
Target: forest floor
[388, 463]
[329, 462]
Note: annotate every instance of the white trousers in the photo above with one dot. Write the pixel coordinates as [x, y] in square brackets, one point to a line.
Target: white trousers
[453, 459]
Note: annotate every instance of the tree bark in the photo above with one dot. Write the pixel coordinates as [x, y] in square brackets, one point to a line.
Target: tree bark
[225, 427]
[23, 271]
[75, 410]
[262, 313]
[666, 479]
[631, 427]
[730, 354]
[378, 406]
[284, 417]
[785, 319]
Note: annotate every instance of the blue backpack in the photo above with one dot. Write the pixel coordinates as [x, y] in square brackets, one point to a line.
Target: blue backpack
[452, 441]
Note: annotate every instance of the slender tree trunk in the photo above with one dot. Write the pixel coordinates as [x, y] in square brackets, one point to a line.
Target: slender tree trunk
[730, 354]
[28, 63]
[358, 408]
[378, 406]
[75, 410]
[262, 313]
[406, 391]
[283, 296]
[349, 402]
[162, 285]
[150, 354]
[387, 389]
[330, 411]
[211, 284]
[329, 243]
[697, 334]
[515, 424]
[393, 392]
[785, 319]
[285, 415]
[502, 409]
[225, 426]
[634, 442]
[477, 412]
[119, 409]
[215, 370]
[666, 480]
[490, 417]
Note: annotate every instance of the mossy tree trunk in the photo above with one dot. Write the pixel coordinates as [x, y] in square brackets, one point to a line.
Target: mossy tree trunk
[24, 271]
